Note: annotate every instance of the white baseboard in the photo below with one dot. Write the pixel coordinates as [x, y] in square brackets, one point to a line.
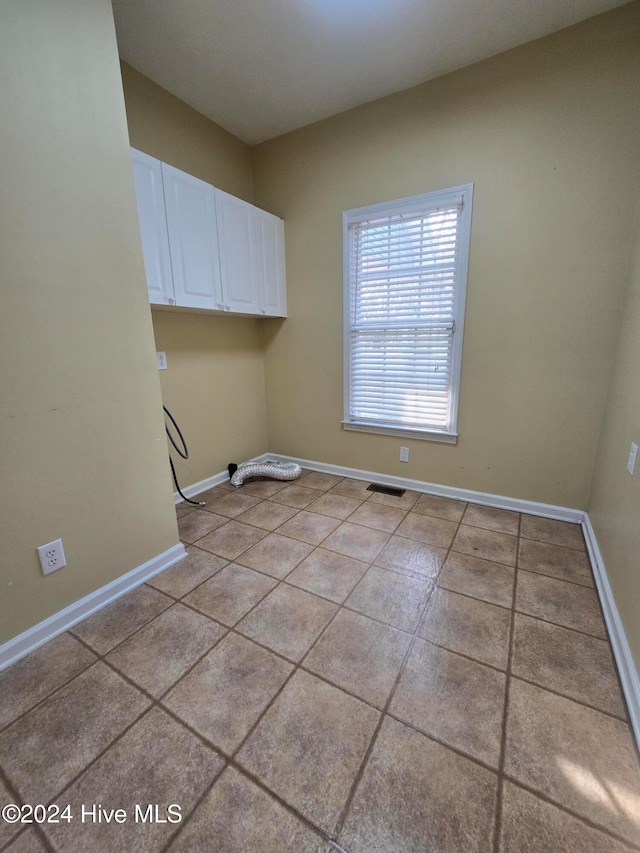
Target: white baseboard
[622, 652]
[30, 640]
[202, 486]
[560, 513]
[217, 480]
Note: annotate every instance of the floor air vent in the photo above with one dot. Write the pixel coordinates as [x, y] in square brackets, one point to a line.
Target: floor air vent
[386, 490]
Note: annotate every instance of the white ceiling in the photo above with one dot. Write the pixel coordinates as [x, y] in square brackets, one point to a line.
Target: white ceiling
[260, 68]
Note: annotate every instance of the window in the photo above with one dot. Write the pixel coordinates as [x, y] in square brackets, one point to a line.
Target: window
[405, 270]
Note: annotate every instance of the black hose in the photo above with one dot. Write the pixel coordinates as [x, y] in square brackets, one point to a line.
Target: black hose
[184, 453]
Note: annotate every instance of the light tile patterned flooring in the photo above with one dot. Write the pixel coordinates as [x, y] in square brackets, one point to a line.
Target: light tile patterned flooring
[332, 669]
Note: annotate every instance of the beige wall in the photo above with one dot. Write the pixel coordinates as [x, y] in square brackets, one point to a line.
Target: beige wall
[548, 133]
[614, 507]
[83, 450]
[214, 385]
[165, 127]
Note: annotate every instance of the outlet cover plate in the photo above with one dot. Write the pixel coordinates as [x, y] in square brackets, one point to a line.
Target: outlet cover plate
[52, 556]
[162, 360]
[633, 455]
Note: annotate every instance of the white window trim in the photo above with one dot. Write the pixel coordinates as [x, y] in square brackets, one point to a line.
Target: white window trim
[404, 205]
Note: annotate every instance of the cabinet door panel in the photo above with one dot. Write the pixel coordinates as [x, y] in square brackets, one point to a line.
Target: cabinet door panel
[191, 219]
[238, 262]
[147, 176]
[270, 244]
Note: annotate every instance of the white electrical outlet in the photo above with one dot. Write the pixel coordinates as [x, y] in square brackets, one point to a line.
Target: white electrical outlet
[404, 454]
[162, 360]
[52, 556]
[633, 455]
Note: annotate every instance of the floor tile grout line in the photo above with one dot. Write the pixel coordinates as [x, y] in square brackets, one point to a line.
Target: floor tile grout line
[15, 799]
[55, 691]
[499, 563]
[138, 630]
[545, 798]
[48, 846]
[246, 613]
[497, 827]
[363, 765]
[7, 844]
[407, 573]
[198, 585]
[285, 580]
[76, 636]
[266, 533]
[175, 683]
[577, 524]
[58, 687]
[296, 667]
[240, 768]
[341, 522]
[530, 571]
[279, 655]
[362, 613]
[476, 598]
[605, 639]
[323, 540]
[464, 655]
[97, 757]
[441, 742]
[179, 828]
[515, 676]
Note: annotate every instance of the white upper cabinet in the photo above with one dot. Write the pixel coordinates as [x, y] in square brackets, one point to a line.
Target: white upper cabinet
[205, 249]
[191, 219]
[147, 176]
[238, 258]
[271, 270]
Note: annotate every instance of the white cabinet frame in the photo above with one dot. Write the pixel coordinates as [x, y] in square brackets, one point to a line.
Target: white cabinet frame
[204, 249]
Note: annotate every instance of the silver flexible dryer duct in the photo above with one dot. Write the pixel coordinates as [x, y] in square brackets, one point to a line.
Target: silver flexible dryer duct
[275, 470]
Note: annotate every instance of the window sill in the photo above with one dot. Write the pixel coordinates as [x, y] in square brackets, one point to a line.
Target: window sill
[402, 432]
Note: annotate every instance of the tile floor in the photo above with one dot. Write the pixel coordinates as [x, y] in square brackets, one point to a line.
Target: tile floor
[334, 669]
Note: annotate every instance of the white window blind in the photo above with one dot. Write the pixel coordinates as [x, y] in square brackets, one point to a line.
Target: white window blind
[404, 267]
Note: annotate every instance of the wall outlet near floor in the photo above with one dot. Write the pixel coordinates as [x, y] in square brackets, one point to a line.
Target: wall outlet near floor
[52, 556]
[404, 454]
[162, 360]
[633, 455]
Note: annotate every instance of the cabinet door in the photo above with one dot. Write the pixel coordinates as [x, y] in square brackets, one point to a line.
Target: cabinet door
[271, 270]
[238, 259]
[191, 219]
[147, 176]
